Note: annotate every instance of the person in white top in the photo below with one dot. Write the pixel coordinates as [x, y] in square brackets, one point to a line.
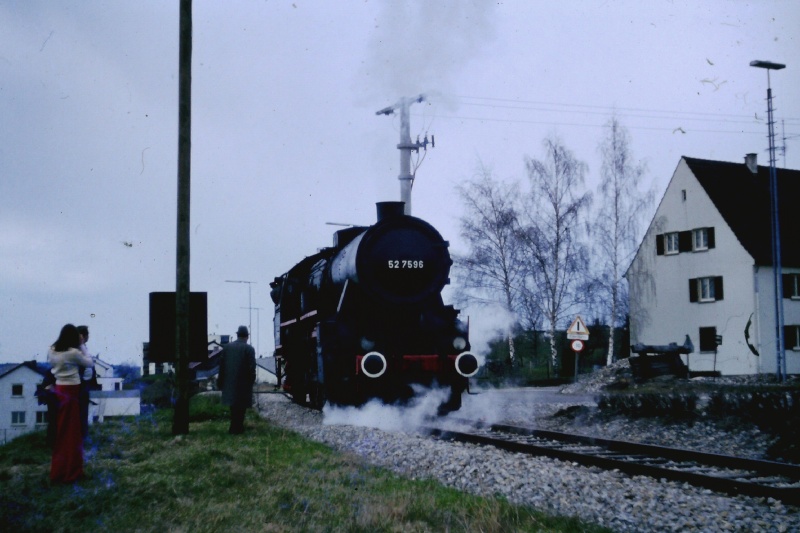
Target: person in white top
[67, 362]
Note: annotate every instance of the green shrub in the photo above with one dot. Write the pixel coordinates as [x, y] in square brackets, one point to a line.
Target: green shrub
[207, 407]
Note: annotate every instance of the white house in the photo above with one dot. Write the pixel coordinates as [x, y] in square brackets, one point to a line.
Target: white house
[103, 369]
[20, 411]
[704, 268]
[111, 399]
[114, 403]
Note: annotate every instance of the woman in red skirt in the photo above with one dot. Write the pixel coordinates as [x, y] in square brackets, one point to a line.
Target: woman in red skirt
[67, 361]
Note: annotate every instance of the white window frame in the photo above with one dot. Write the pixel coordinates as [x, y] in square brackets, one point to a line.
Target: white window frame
[21, 388]
[700, 239]
[671, 243]
[41, 417]
[705, 290]
[17, 418]
[796, 346]
[795, 292]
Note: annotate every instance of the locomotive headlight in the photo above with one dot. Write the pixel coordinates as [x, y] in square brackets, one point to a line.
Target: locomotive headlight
[467, 364]
[373, 364]
[459, 343]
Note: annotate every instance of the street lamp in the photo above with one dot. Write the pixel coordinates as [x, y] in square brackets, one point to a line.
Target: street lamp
[776, 228]
[249, 300]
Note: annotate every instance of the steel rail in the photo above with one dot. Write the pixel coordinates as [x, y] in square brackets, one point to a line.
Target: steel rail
[638, 459]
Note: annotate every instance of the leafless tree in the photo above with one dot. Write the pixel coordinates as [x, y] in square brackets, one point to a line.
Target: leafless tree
[617, 222]
[550, 235]
[490, 273]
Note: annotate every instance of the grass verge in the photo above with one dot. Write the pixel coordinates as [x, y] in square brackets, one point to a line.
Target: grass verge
[142, 478]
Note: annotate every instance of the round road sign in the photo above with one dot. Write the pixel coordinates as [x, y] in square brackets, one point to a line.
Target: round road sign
[577, 345]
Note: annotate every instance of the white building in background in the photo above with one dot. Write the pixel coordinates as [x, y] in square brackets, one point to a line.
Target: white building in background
[20, 411]
[111, 399]
[704, 268]
[114, 403]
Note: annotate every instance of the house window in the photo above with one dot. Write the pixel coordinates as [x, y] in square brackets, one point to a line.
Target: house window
[791, 286]
[708, 289]
[671, 243]
[791, 338]
[41, 417]
[708, 339]
[16, 389]
[700, 239]
[697, 240]
[705, 288]
[17, 418]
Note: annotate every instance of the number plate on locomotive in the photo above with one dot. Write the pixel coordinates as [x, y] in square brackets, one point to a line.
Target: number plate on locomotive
[405, 264]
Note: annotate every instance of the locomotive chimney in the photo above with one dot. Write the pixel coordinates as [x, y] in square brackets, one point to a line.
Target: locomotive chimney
[389, 209]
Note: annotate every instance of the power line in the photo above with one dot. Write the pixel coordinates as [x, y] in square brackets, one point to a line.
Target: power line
[740, 119]
[668, 129]
[526, 104]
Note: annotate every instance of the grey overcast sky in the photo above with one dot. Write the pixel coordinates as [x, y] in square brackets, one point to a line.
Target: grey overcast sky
[285, 137]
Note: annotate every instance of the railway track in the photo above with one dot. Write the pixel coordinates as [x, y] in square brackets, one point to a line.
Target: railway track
[721, 473]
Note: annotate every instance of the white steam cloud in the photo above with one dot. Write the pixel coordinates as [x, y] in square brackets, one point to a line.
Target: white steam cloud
[396, 418]
[419, 47]
[479, 405]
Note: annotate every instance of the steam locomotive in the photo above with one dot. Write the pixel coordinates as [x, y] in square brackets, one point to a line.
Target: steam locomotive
[365, 318]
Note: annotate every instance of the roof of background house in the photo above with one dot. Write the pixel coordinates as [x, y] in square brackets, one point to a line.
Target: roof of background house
[6, 368]
[743, 200]
[98, 361]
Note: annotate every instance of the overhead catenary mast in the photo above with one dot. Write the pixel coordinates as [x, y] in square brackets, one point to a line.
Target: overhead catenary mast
[405, 146]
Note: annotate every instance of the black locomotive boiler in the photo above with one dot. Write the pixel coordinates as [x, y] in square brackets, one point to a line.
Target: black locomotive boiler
[365, 318]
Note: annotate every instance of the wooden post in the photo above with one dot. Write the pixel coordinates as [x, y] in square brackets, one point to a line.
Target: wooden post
[180, 420]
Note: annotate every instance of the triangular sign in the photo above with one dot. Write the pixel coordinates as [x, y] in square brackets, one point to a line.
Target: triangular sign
[578, 327]
[577, 330]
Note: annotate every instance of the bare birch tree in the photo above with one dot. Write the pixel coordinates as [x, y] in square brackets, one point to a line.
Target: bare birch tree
[550, 233]
[491, 270]
[617, 223]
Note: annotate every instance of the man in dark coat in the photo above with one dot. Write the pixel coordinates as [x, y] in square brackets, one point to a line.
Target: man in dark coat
[237, 373]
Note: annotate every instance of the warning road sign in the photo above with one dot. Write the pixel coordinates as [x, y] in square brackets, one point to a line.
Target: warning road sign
[578, 330]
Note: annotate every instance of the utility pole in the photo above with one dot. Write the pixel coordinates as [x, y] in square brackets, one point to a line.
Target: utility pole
[180, 420]
[406, 146]
[780, 352]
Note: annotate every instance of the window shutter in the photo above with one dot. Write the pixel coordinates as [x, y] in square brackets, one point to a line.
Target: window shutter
[660, 245]
[787, 285]
[711, 242]
[693, 290]
[685, 241]
[718, 294]
[789, 337]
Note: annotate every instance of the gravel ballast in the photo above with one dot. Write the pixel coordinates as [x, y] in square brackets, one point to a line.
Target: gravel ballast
[386, 436]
